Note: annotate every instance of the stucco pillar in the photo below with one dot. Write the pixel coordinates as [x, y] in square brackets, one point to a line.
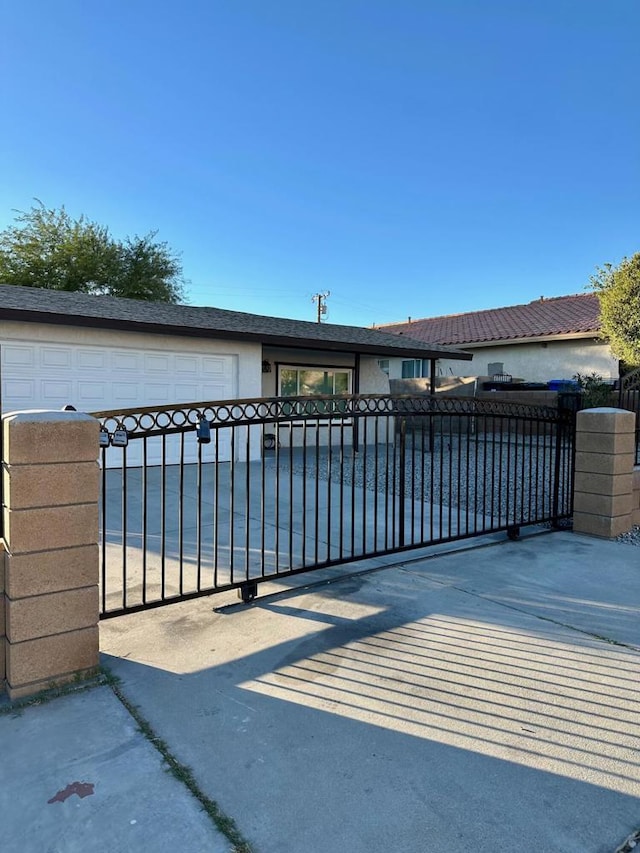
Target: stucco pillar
[51, 562]
[603, 492]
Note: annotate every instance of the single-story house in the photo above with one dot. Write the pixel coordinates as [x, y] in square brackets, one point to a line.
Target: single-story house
[543, 340]
[104, 352]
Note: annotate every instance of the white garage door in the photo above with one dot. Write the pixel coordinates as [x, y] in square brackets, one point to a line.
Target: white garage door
[50, 376]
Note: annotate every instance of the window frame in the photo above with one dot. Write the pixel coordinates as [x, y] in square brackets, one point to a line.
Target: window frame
[321, 368]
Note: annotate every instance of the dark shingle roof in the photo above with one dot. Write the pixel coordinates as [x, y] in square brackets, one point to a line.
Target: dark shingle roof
[62, 308]
[561, 315]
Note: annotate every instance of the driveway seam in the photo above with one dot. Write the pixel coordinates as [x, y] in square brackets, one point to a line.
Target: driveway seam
[224, 824]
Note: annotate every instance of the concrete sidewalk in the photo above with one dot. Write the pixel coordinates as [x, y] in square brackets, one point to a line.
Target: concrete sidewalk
[77, 775]
[476, 701]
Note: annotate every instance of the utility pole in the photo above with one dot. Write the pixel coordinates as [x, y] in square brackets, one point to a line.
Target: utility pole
[321, 299]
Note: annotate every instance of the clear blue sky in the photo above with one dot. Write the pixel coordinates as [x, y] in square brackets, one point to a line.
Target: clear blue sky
[414, 157]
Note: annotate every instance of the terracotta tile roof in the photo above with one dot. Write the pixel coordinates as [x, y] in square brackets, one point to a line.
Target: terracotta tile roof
[59, 307]
[561, 315]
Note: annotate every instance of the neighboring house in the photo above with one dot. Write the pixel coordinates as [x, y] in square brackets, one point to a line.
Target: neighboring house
[103, 352]
[543, 340]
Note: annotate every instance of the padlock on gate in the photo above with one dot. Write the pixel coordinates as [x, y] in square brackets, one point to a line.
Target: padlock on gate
[203, 431]
[120, 437]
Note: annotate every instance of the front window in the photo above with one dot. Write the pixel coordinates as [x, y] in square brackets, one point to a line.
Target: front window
[313, 381]
[303, 381]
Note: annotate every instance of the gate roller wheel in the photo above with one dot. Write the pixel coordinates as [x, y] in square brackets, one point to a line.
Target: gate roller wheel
[248, 591]
[513, 533]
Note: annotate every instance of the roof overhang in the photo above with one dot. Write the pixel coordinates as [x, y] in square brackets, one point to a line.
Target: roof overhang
[291, 342]
[539, 339]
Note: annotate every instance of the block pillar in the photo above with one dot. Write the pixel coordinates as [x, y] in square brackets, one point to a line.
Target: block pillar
[51, 569]
[603, 491]
[2, 621]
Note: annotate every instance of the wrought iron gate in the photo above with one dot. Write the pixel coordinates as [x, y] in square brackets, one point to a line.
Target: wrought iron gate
[629, 398]
[207, 497]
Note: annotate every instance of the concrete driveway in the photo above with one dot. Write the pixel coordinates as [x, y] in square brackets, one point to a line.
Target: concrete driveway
[485, 700]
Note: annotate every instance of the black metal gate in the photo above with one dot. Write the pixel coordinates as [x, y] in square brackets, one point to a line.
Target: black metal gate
[629, 398]
[206, 497]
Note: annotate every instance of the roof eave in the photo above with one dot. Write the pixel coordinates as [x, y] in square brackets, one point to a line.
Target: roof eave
[502, 342]
[51, 318]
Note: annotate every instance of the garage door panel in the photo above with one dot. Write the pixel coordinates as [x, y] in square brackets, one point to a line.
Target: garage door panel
[157, 364]
[52, 390]
[18, 356]
[127, 394]
[44, 375]
[189, 391]
[91, 360]
[17, 394]
[126, 361]
[214, 391]
[188, 365]
[91, 393]
[55, 357]
[160, 393]
[216, 367]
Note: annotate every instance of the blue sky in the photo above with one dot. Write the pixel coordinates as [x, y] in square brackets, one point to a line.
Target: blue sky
[414, 157]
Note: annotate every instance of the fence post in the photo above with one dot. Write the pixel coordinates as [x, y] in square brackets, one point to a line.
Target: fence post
[555, 508]
[402, 478]
[603, 492]
[50, 511]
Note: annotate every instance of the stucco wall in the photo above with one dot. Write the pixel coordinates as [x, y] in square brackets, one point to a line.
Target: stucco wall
[533, 362]
[539, 362]
[372, 379]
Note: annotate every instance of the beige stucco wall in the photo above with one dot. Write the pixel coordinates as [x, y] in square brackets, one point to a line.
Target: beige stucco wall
[533, 362]
[539, 362]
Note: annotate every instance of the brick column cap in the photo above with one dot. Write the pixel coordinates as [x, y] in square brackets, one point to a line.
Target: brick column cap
[40, 437]
[44, 415]
[606, 419]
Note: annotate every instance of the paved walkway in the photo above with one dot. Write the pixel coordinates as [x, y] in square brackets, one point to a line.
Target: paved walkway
[484, 700]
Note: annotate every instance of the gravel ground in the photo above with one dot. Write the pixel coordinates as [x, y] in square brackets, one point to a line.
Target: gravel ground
[466, 473]
[496, 476]
[630, 538]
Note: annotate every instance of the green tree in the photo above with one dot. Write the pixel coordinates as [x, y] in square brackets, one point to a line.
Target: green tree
[618, 290]
[48, 248]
